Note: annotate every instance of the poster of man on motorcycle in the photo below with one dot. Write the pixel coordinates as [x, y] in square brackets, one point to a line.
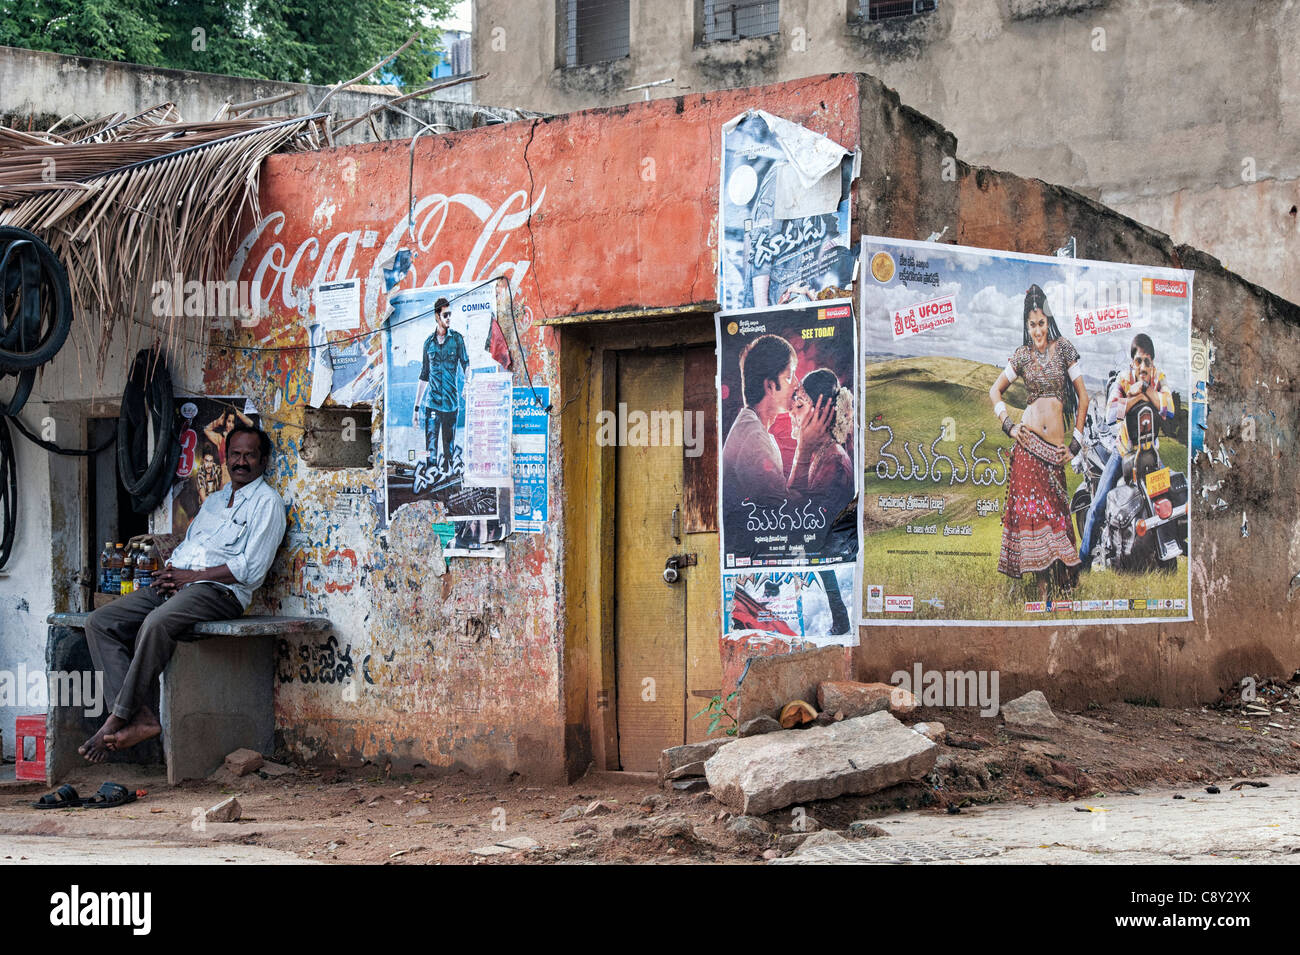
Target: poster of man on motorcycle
[1026, 437]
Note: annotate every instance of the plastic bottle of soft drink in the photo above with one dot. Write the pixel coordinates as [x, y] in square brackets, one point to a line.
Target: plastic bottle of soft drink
[105, 557]
[144, 567]
[115, 564]
[128, 570]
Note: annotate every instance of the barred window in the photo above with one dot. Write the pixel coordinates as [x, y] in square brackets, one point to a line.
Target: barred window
[596, 31]
[888, 9]
[736, 19]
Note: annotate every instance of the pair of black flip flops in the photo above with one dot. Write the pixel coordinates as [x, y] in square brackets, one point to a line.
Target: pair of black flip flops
[65, 797]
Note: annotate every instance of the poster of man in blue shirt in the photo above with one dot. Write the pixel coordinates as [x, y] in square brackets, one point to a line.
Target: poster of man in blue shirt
[442, 376]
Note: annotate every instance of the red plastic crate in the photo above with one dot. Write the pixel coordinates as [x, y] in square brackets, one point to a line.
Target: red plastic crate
[33, 726]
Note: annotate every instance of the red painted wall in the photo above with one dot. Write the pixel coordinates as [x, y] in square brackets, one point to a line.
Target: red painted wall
[591, 211]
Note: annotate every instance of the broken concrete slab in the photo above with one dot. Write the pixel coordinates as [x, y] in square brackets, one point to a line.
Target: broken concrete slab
[679, 757]
[490, 851]
[853, 698]
[1030, 712]
[858, 756]
[772, 682]
[932, 730]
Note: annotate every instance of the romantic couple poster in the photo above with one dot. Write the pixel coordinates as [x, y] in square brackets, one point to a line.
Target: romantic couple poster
[789, 472]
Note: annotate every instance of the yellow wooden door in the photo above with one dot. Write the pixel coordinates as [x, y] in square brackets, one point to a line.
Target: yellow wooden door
[665, 635]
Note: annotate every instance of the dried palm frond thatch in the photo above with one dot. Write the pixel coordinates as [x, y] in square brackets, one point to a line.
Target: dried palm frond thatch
[141, 199]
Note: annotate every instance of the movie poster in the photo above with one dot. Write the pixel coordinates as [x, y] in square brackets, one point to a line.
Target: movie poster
[1080, 513]
[429, 356]
[784, 209]
[201, 467]
[789, 470]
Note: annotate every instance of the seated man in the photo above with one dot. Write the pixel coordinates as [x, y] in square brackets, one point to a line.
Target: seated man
[211, 575]
[1142, 382]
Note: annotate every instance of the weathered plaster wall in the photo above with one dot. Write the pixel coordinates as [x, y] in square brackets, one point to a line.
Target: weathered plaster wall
[1179, 113]
[587, 212]
[1246, 617]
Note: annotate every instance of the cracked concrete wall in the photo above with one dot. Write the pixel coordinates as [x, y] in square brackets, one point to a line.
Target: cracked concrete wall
[1179, 113]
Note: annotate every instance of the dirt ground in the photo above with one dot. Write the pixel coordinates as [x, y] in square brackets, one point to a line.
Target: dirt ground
[363, 816]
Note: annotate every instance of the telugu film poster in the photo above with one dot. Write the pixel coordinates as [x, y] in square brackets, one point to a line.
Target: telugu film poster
[789, 471]
[784, 210]
[962, 523]
[201, 467]
[427, 366]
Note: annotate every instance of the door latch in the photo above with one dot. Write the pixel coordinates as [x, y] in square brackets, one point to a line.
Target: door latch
[674, 564]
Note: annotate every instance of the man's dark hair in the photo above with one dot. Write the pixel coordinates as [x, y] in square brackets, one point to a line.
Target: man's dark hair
[263, 439]
[439, 305]
[763, 360]
[1143, 341]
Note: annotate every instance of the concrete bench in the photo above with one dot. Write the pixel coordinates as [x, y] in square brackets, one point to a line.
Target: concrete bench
[216, 695]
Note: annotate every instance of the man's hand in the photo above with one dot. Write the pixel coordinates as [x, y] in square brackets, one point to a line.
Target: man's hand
[172, 579]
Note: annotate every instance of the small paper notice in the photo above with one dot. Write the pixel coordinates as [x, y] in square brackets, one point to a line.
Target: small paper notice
[338, 305]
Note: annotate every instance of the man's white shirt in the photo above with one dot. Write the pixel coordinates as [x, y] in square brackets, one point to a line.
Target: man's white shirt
[243, 536]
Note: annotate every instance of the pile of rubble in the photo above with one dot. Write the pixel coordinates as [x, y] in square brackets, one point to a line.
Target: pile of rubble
[806, 734]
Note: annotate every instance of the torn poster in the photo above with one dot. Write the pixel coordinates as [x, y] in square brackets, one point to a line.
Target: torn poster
[322, 370]
[346, 372]
[808, 607]
[784, 207]
[482, 537]
[1202, 357]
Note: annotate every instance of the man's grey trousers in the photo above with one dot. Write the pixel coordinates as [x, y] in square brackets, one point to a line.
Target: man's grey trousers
[132, 638]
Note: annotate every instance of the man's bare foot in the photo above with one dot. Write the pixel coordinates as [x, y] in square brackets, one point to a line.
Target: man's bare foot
[94, 749]
[143, 726]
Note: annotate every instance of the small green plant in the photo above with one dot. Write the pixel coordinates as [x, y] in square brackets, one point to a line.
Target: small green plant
[718, 711]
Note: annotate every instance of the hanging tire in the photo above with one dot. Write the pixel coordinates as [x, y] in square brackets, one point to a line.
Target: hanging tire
[32, 277]
[147, 400]
[8, 493]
